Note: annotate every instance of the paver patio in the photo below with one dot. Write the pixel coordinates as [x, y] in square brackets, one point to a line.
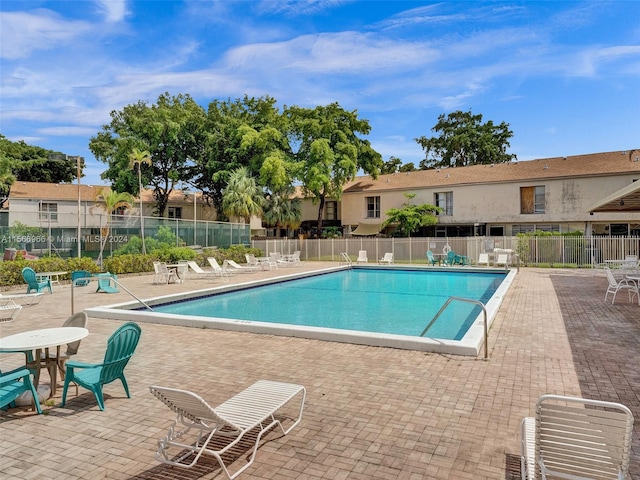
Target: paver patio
[371, 413]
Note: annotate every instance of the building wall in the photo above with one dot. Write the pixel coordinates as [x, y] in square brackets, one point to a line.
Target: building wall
[566, 202]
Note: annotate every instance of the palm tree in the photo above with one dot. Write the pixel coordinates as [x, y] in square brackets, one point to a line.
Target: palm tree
[110, 200]
[242, 198]
[283, 211]
[137, 157]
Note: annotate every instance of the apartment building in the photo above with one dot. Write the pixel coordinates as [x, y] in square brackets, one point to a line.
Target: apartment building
[561, 194]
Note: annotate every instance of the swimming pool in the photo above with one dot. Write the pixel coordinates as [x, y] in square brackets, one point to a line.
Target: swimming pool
[365, 305]
[376, 300]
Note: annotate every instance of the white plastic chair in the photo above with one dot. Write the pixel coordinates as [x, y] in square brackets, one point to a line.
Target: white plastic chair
[362, 257]
[388, 258]
[483, 259]
[616, 285]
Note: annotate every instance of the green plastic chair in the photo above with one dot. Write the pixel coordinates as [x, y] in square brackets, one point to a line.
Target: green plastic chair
[430, 258]
[104, 283]
[77, 274]
[450, 259]
[29, 275]
[15, 383]
[120, 348]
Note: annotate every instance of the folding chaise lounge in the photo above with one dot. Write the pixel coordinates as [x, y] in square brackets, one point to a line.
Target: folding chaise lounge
[240, 268]
[198, 271]
[9, 310]
[218, 270]
[576, 438]
[24, 299]
[245, 417]
[104, 283]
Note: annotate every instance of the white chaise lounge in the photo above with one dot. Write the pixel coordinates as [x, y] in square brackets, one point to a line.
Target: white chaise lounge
[245, 417]
[576, 438]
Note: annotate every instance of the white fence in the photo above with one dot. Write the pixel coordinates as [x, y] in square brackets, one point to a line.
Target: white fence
[533, 251]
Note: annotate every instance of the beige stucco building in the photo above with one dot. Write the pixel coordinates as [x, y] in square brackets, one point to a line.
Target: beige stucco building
[551, 194]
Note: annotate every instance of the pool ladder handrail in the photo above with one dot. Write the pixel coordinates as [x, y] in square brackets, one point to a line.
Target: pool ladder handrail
[467, 300]
[74, 283]
[345, 258]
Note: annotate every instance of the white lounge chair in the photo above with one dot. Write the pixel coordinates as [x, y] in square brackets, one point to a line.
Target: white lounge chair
[163, 275]
[239, 268]
[616, 285]
[198, 271]
[9, 310]
[289, 260]
[483, 259]
[362, 257]
[218, 270]
[576, 438]
[502, 260]
[388, 258]
[24, 299]
[262, 263]
[256, 409]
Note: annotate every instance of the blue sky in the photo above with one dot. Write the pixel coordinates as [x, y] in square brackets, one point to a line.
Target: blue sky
[564, 75]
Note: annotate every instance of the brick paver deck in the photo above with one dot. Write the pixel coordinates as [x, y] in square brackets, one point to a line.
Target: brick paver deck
[371, 413]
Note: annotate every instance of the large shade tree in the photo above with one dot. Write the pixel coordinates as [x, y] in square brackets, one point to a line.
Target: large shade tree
[330, 151]
[462, 139]
[248, 132]
[172, 130]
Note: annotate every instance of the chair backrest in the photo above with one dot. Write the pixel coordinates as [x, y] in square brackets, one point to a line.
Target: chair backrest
[388, 257]
[612, 280]
[79, 319]
[214, 264]
[362, 255]
[189, 405]
[430, 255]
[195, 267]
[595, 437]
[29, 275]
[483, 258]
[251, 259]
[120, 347]
[451, 255]
[76, 274]
[232, 263]
[503, 259]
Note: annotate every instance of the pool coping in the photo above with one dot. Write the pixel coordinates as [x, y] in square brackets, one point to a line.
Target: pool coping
[469, 345]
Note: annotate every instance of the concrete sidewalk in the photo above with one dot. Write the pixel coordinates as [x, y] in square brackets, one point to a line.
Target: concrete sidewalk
[370, 413]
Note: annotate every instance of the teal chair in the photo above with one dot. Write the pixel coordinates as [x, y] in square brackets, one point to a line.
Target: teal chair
[80, 274]
[15, 383]
[430, 258]
[104, 283]
[120, 348]
[30, 278]
[450, 259]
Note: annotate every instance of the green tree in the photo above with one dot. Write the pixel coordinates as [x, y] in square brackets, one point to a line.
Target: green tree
[410, 218]
[281, 210]
[28, 163]
[330, 152]
[464, 140]
[248, 132]
[172, 129]
[390, 166]
[136, 159]
[243, 197]
[110, 200]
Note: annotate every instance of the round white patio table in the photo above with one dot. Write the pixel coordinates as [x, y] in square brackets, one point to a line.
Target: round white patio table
[42, 339]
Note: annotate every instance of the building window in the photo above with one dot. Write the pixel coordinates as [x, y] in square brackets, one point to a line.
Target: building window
[373, 207]
[175, 212]
[331, 209]
[532, 199]
[48, 211]
[444, 200]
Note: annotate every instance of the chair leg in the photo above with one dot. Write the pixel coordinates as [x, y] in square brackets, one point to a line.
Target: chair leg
[124, 384]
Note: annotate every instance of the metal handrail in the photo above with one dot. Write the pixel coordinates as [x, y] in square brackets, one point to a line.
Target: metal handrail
[468, 300]
[75, 281]
[346, 258]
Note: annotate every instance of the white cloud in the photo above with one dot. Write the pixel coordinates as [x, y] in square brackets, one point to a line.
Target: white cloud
[114, 11]
[22, 33]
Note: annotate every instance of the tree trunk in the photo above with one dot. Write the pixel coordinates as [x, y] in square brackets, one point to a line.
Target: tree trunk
[320, 210]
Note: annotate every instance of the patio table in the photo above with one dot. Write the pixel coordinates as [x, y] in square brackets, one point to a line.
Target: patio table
[53, 276]
[39, 340]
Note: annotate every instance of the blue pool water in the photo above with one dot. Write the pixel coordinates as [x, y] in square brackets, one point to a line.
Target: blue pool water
[370, 300]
